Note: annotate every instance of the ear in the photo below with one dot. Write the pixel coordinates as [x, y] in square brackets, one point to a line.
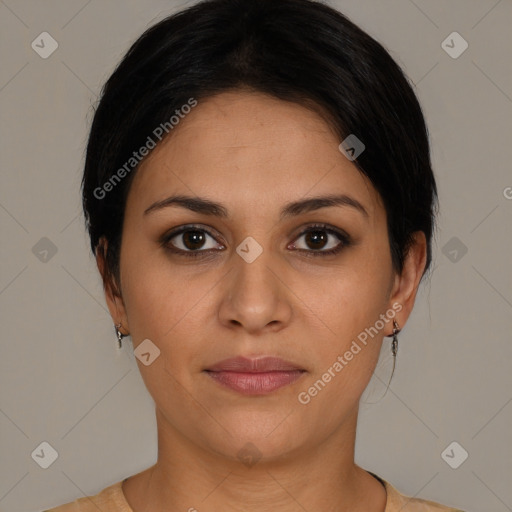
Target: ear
[111, 288]
[406, 284]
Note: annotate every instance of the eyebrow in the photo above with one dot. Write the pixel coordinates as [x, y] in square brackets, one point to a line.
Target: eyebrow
[208, 207]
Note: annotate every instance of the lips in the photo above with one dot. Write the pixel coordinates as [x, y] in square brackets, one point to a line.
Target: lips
[254, 376]
[247, 365]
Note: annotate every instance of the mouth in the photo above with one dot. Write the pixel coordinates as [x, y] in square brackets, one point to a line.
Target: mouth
[254, 376]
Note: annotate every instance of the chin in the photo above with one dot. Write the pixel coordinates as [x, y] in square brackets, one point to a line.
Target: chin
[258, 441]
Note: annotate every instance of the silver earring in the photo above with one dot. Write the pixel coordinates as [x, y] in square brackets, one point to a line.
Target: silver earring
[394, 350]
[394, 343]
[119, 334]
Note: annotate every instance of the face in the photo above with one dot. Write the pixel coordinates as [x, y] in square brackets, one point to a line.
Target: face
[255, 277]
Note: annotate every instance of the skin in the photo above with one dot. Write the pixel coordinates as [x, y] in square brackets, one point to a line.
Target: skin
[254, 153]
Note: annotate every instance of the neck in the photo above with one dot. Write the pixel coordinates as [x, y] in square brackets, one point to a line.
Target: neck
[187, 477]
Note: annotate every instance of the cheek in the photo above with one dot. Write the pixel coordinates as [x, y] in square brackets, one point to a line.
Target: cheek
[151, 304]
[350, 307]
[352, 299]
[167, 304]
[154, 295]
[350, 347]
[347, 352]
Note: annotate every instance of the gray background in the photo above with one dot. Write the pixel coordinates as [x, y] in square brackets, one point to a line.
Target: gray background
[61, 378]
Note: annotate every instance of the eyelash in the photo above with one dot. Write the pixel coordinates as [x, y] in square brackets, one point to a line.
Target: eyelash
[345, 241]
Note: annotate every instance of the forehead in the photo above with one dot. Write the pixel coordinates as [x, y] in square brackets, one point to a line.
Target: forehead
[251, 147]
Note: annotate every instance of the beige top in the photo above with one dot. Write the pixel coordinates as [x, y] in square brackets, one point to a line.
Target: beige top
[111, 499]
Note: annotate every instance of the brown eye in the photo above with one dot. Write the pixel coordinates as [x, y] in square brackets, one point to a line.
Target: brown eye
[190, 241]
[193, 239]
[316, 239]
[320, 240]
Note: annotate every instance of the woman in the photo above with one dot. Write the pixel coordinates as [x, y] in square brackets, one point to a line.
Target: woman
[261, 203]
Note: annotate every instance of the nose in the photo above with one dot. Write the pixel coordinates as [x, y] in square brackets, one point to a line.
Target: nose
[255, 295]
